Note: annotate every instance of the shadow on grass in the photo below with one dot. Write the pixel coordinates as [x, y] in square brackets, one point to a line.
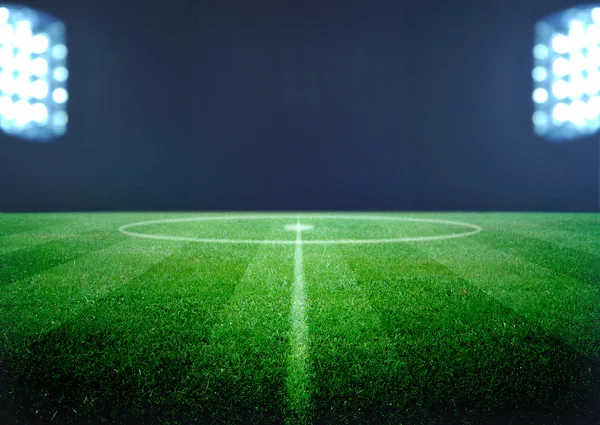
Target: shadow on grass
[441, 389]
[27, 262]
[577, 264]
[451, 354]
[72, 377]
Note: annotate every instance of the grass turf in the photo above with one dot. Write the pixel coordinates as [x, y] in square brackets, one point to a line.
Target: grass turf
[502, 326]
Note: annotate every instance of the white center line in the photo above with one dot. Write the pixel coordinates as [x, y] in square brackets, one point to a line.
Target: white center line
[297, 381]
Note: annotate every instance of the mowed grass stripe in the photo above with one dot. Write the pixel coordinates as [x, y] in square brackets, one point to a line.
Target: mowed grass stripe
[24, 263]
[35, 234]
[14, 223]
[577, 231]
[33, 305]
[588, 242]
[29, 230]
[553, 292]
[141, 352]
[457, 352]
[557, 285]
[80, 235]
[246, 359]
[562, 304]
[349, 349]
[31, 308]
[577, 235]
[561, 258]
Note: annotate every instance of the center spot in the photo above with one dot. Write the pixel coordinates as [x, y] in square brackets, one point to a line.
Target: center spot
[299, 227]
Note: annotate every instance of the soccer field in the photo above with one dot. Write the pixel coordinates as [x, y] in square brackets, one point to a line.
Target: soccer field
[386, 318]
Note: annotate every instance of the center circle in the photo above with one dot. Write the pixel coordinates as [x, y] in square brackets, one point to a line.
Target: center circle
[125, 229]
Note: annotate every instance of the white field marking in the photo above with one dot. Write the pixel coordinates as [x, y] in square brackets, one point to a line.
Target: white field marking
[298, 226]
[474, 230]
[297, 380]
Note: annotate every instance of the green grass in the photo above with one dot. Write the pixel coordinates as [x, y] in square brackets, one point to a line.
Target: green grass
[499, 327]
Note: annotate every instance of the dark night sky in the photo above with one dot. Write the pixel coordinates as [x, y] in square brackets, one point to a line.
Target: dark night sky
[309, 105]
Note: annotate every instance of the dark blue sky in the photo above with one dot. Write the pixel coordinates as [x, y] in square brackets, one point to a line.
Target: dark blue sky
[300, 105]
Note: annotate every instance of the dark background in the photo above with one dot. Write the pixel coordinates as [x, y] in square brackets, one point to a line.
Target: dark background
[304, 105]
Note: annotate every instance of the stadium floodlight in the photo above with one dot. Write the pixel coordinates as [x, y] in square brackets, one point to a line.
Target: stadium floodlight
[33, 74]
[566, 74]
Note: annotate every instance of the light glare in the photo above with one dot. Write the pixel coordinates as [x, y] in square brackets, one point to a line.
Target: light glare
[540, 119]
[593, 35]
[60, 95]
[39, 67]
[22, 62]
[40, 43]
[577, 38]
[593, 56]
[6, 34]
[59, 51]
[7, 85]
[540, 73]
[594, 106]
[540, 52]
[578, 62]
[560, 89]
[22, 36]
[60, 119]
[23, 87]
[540, 95]
[39, 89]
[4, 14]
[560, 44]
[578, 112]
[560, 113]
[22, 115]
[61, 74]
[578, 86]
[561, 67]
[593, 82]
[39, 113]
[6, 105]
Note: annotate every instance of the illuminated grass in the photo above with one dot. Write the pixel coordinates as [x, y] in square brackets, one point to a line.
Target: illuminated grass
[99, 327]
